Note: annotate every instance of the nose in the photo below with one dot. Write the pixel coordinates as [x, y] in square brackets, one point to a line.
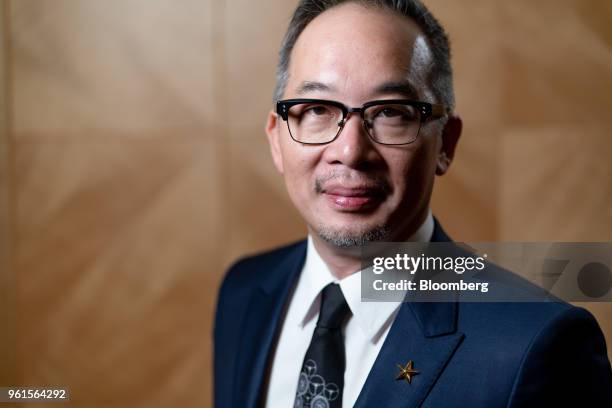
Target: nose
[353, 147]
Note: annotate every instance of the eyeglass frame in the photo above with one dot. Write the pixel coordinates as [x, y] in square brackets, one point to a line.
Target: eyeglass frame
[429, 111]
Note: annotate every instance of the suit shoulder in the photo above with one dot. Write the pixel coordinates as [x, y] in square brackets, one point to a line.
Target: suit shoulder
[567, 322]
[250, 269]
[543, 377]
[531, 316]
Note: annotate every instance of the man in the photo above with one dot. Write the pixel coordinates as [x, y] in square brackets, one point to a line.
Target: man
[363, 122]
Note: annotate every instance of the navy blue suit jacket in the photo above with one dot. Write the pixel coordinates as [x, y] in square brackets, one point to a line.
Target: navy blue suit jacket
[468, 354]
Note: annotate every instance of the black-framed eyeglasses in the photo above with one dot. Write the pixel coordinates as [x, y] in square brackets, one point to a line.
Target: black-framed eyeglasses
[388, 122]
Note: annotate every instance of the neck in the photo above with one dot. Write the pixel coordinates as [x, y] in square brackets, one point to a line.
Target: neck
[341, 262]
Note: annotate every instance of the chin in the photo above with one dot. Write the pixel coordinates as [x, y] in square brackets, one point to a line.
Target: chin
[349, 237]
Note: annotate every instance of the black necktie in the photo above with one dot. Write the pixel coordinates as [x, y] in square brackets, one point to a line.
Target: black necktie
[322, 376]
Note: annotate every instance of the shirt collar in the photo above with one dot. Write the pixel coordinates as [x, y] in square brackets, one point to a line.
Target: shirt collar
[314, 277]
[369, 316]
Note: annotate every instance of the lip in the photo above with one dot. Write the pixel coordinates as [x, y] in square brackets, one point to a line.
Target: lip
[353, 199]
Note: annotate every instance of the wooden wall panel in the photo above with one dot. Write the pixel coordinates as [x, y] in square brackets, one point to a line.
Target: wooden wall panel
[557, 183]
[253, 31]
[114, 241]
[137, 66]
[8, 314]
[466, 198]
[557, 63]
[118, 190]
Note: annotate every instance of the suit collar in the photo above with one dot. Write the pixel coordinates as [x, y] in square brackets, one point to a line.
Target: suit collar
[314, 277]
[435, 318]
[439, 235]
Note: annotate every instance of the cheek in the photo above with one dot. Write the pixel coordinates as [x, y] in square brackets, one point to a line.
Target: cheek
[413, 171]
[299, 164]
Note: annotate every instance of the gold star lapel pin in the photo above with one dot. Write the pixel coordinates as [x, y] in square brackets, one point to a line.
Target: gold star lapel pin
[406, 373]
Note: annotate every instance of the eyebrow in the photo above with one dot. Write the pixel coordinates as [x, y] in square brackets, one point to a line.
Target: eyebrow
[403, 88]
[312, 86]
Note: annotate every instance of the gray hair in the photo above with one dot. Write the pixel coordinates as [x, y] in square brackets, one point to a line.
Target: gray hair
[440, 76]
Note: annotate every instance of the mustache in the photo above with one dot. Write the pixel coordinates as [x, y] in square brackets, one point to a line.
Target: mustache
[377, 184]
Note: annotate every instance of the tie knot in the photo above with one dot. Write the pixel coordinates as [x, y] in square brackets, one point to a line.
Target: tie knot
[334, 308]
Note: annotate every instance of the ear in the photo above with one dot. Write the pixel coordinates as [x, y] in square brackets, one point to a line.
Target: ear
[450, 138]
[272, 130]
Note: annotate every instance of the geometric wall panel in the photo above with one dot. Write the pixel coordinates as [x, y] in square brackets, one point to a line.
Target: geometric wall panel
[86, 67]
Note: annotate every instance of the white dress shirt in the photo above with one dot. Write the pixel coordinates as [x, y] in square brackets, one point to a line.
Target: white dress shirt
[364, 333]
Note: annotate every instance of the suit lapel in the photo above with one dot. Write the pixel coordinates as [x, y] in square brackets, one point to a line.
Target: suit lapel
[424, 333]
[260, 325]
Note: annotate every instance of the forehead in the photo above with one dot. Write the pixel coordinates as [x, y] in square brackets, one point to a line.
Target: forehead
[355, 50]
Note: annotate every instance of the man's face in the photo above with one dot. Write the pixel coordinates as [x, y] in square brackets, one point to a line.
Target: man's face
[354, 190]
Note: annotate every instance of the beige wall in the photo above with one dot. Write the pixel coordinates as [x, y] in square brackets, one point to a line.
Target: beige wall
[134, 169]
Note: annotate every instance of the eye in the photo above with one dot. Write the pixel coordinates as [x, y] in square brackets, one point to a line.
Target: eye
[315, 113]
[317, 110]
[389, 112]
[395, 113]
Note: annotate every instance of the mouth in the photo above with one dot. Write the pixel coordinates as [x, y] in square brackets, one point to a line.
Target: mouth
[354, 199]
